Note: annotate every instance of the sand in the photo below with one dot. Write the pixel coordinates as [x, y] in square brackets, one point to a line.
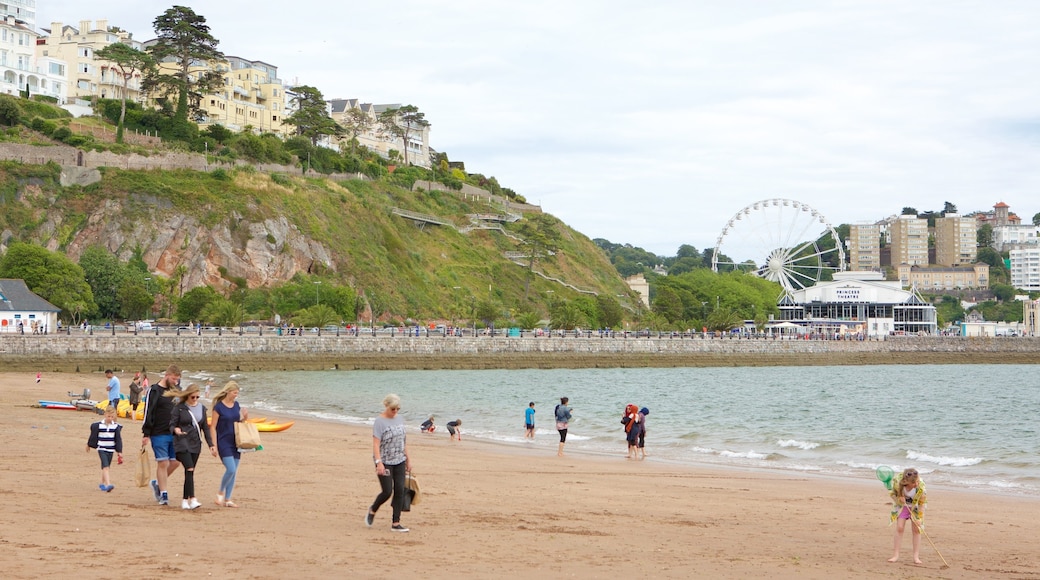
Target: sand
[488, 511]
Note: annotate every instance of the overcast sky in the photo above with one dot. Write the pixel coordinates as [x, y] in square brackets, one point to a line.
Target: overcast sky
[653, 123]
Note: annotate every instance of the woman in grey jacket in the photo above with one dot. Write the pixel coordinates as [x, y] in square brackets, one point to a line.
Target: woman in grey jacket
[187, 422]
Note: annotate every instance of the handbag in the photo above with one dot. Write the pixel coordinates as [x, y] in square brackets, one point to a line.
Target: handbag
[143, 475]
[247, 436]
[412, 495]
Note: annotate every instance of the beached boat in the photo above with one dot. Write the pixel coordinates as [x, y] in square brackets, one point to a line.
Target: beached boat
[62, 405]
[274, 427]
[123, 409]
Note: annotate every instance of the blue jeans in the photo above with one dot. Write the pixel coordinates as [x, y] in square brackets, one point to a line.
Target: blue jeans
[227, 483]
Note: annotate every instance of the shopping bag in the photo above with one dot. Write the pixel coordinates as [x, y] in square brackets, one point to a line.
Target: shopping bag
[143, 475]
[412, 494]
[247, 436]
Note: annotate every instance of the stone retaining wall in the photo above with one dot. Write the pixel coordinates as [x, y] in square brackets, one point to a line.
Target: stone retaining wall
[60, 353]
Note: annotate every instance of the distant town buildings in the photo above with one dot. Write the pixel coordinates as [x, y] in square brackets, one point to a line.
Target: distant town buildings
[417, 143]
[70, 53]
[909, 240]
[864, 247]
[24, 10]
[1025, 267]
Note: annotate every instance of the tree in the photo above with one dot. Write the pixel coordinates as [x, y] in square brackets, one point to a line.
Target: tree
[356, 123]
[541, 240]
[909, 211]
[566, 315]
[610, 313]
[311, 117]
[948, 208]
[984, 236]
[183, 38]
[1036, 219]
[400, 122]
[52, 276]
[668, 305]
[105, 274]
[191, 305]
[223, 312]
[135, 301]
[128, 61]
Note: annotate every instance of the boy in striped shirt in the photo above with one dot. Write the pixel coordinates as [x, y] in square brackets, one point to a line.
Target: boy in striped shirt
[106, 437]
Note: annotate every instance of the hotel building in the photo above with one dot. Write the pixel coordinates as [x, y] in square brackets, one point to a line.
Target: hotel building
[864, 247]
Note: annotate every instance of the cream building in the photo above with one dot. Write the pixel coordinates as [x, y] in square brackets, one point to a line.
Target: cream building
[417, 142]
[252, 96]
[84, 75]
[1031, 317]
[938, 278]
[909, 236]
[864, 247]
[19, 67]
[956, 242]
[640, 284]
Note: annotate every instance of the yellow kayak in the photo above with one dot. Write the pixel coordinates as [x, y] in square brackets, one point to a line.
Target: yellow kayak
[274, 427]
[123, 409]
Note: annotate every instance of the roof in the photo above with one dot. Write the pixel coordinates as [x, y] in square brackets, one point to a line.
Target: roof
[15, 296]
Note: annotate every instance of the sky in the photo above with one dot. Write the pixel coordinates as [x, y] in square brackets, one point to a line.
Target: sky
[654, 123]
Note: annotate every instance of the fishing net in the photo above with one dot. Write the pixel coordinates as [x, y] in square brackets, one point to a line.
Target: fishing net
[885, 474]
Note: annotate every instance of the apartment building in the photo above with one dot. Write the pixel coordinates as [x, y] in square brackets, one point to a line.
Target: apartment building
[864, 247]
[1025, 268]
[253, 96]
[417, 141]
[909, 237]
[956, 241]
[1031, 318]
[85, 76]
[24, 10]
[938, 278]
[19, 69]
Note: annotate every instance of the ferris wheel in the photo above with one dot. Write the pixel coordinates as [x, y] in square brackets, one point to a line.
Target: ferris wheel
[781, 240]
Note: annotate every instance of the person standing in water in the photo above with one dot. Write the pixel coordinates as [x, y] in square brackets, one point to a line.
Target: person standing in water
[563, 418]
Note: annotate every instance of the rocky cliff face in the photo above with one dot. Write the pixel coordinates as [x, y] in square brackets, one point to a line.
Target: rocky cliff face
[262, 253]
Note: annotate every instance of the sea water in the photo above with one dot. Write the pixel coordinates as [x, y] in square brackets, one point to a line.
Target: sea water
[971, 426]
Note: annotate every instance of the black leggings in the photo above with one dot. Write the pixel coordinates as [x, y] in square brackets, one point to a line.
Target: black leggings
[391, 483]
[563, 435]
[188, 460]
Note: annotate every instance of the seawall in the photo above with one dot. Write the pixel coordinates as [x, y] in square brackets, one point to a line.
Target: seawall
[231, 352]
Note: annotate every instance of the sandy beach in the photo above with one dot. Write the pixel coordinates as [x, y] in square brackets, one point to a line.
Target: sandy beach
[488, 510]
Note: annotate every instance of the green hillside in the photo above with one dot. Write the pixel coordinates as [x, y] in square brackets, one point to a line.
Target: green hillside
[400, 270]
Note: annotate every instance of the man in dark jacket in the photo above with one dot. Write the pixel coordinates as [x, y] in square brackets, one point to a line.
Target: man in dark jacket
[156, 428]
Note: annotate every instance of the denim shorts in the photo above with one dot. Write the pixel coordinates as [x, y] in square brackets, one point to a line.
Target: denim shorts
[106, 458]
[162, 446]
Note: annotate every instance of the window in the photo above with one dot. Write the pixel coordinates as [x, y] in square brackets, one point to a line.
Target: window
[83, 85]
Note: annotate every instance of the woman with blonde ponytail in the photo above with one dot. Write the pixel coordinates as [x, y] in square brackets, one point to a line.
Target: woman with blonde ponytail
[227, 412]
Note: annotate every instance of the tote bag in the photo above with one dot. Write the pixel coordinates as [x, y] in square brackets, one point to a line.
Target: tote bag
[144, 468]
[247, 436]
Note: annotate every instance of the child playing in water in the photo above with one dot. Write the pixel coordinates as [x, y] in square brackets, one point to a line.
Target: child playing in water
[455, 429]
[428, 426]
[106, 436]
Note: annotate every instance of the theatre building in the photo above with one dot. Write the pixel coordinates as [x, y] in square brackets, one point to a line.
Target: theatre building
[858, 304]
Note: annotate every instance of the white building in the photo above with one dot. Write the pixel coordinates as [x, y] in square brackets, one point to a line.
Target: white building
[858, 303]
[24, 10]
[1011, 236]
[417, 142]
[1025, 268]
[19, 67]
[22, 311]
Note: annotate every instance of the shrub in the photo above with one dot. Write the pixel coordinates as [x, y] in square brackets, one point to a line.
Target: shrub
[220, 174]
[42, 125]
[61, 134]
[77, 140]
[10, 113]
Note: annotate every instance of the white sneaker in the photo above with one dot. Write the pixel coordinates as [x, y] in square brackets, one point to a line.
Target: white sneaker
[194, 503]
[185, 505]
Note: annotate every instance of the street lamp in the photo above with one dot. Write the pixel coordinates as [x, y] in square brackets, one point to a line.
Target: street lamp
[454, 307]
[316, 285]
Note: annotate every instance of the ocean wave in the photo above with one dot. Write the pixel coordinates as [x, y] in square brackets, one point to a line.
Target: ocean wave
[743, 455]
[944, 461]
[806, 445]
